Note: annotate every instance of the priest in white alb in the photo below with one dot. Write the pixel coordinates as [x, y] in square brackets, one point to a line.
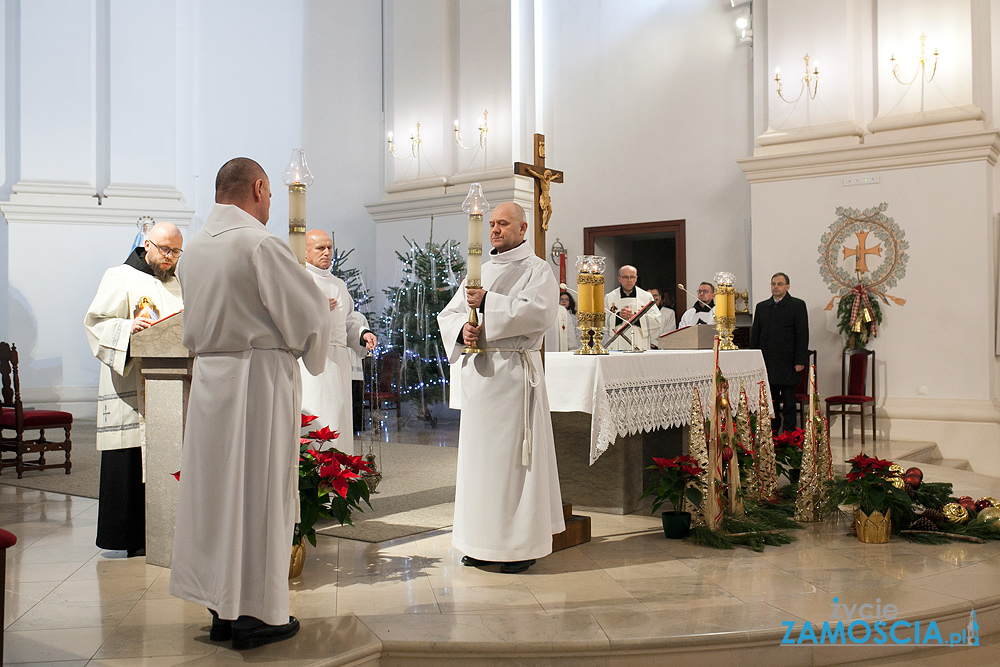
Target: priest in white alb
[507, 500]
[622, 304]
[328, 395]
[250, 313]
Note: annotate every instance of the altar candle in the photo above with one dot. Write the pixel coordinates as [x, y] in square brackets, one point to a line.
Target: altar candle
[585, 295]
[597, 294]
[731, 303]
[721, 305]
[297, 222]
[475, 259]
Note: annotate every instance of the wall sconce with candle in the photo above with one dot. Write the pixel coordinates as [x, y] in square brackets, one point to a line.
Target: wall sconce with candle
[414, 145]
[921, 62]
[483, 129]
[297, 177]
[810, 82]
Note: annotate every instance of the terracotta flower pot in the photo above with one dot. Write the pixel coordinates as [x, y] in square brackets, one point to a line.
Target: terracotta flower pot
[298, 559]
[676, 525]
[874, 528]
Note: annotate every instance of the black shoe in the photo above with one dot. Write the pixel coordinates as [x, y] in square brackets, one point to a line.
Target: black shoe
[517, 566]
[469, 561]
[222, 631]
[261, 633]
[133, 553]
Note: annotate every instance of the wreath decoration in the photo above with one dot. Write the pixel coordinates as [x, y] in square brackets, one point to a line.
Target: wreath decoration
[860, 312]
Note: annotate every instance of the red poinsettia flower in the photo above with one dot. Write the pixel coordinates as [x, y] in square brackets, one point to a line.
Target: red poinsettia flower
[324, 434]
[666, 463]
[790, 438]
[308, 419]
[692, 470]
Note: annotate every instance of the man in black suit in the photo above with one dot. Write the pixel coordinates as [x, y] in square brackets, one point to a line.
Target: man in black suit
[781, 332]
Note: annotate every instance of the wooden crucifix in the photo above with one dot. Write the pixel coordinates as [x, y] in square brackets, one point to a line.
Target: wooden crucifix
[544, 177]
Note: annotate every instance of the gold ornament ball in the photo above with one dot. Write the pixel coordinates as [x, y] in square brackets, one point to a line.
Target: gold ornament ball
[993, 501]
[990, 516]
[955, 513]
[896, 470]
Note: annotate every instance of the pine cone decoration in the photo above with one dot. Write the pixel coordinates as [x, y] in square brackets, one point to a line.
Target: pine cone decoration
[937, 516]
[923, 523]
[910, 491]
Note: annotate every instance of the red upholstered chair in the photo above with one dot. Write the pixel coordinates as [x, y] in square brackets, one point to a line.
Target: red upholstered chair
[7, 540]
[854, 371]
[15, 420]
[802, 391]
[384, 388]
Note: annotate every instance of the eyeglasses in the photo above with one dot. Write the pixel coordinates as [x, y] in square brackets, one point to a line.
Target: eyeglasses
[167, 252]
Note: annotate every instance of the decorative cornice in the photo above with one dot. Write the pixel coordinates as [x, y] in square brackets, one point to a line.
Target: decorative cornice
[943, 409]
[912, 152]
[78, 204]
[447, 200]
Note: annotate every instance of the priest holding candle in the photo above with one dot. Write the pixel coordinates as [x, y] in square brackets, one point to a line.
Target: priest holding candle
[507, 499]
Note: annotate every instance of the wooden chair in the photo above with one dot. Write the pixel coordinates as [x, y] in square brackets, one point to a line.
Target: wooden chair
[15, 420]
[854, 371]
[802, 391]
[387, 390]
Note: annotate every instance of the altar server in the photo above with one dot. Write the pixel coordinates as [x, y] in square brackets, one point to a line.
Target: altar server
[703, 311]
[564, 335]
[624, 302]
[130, 298]
[328, 395]
[250, 312]
[507, 500]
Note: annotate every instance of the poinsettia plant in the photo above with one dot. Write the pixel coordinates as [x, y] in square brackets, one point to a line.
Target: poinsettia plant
[788, 453]
[330, 482]
[674, 481]
[870, 485]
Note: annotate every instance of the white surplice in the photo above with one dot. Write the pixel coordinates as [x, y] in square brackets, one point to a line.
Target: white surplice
[692, 317]
[328, 395]
[505, 510]
[641, 330]
[250, 312]
[668, 323]
[124, 293]
[564, 334]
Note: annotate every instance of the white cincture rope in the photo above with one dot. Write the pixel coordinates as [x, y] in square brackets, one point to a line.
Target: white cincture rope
[530, 382]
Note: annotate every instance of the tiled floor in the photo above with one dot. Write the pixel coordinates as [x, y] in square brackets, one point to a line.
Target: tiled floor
[68, 603]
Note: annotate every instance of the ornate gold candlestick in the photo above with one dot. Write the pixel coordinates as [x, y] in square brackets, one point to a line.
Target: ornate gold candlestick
[725, 309]
[590, 303]
[475, 205]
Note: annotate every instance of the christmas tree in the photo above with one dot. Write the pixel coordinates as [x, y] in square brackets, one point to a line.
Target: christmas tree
[430, 275]
[363, 302]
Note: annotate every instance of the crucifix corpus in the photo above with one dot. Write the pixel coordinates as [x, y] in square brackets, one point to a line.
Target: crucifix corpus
[544, 177]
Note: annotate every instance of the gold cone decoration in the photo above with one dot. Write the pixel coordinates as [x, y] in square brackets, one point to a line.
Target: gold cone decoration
[713, 502]
[699, 450]
[733, 467]
[745, 436]
[815, 473]
[765, 448]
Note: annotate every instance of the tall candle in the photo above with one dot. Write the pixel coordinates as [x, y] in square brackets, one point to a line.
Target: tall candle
[297, 221]
[731, 303]
[722, 305]
[475, 256]
[584, 294]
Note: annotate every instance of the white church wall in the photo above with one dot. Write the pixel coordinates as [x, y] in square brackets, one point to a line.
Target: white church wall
[935, 354]
[948, 28]
[342, 124]
[6, 144]
[646, 112]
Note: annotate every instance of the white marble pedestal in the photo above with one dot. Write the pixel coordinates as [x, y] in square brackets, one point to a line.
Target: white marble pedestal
[166, 369]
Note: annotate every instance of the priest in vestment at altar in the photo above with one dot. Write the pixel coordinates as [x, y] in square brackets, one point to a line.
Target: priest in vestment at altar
[507, 498]
[131, 298]
[625, 302]
[328, 395]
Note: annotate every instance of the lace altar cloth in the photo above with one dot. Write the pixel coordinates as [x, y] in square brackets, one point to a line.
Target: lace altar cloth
[634, 393]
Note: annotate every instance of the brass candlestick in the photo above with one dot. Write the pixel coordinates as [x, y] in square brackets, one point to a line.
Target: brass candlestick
[725, 310]
[590, 303]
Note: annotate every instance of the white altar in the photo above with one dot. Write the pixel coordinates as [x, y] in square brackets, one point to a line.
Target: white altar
[627, 393]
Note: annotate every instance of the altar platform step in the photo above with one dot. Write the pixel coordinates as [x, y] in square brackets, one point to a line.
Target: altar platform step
[914, 451]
